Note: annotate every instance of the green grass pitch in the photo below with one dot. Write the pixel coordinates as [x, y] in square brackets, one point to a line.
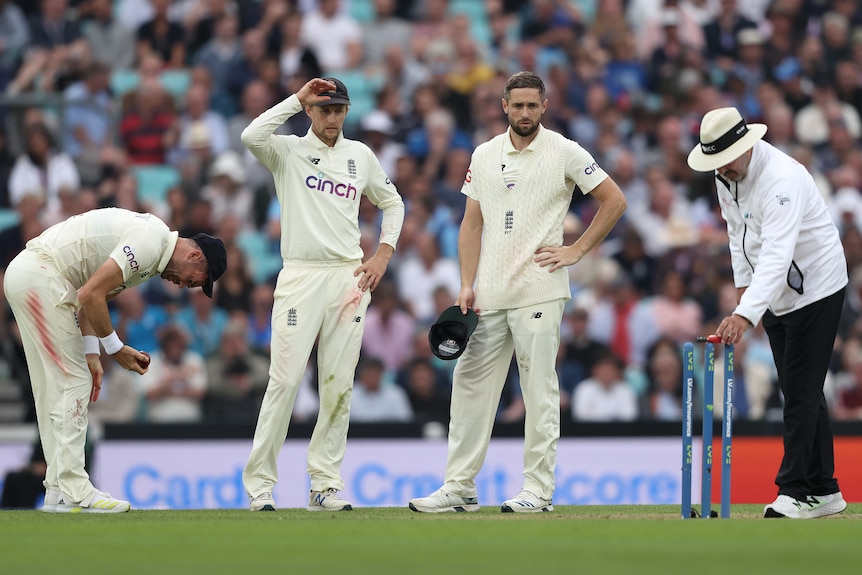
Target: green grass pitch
[640, 540]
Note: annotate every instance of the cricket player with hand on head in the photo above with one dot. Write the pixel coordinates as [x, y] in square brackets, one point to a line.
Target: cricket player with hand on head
[58, 288]
[519, 187]
[324, 288]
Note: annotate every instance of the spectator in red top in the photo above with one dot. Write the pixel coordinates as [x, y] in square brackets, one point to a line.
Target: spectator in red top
[145, 125]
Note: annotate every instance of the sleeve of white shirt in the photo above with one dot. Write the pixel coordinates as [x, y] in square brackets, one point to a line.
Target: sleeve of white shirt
[259, 136]
[582, 169]
[197, 367]
[382, 193]
[219, 138]
[468, 189]
[782, 211]
[137, 252]
[403, 412]
[67, 173]
[629, 404]
[22, 182]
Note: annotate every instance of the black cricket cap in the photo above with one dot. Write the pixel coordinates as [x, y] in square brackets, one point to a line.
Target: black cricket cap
[337, 96]
[451, 332]
[213, 249]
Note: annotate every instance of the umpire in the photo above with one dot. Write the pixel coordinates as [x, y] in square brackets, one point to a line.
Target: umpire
[789, 270]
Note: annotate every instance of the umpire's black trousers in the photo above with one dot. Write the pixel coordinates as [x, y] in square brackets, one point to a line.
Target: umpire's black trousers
[802, 343]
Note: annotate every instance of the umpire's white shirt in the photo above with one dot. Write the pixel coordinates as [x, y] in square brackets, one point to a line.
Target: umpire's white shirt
[784, 245]
[320, 216]
[141, 244]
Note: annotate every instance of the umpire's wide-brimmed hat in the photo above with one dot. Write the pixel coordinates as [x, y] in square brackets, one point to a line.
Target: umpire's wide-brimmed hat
[724, 136]
[451, 332]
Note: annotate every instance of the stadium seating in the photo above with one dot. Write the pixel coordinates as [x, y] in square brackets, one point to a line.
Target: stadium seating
[176, 82]
[155, 181]
[362, 10]
[363, 90]
[8, 218]
[262, 261]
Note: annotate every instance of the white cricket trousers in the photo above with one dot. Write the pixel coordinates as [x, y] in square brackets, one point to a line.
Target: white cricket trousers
[533, 333]
[45, 304]
[310, 301]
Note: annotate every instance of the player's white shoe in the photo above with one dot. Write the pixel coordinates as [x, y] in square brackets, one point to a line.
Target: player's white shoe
[52, 498]
[526, 502]
[327, 500]
[101, 502]
[443, 502]
[823, 505]
[263, 502]
[786, 506]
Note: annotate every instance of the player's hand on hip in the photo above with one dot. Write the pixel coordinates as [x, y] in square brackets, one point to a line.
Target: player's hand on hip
[556, 257]
[370, 272]
[96, 371]
[309, 94]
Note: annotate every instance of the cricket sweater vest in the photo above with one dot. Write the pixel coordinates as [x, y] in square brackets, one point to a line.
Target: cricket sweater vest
[520, 219]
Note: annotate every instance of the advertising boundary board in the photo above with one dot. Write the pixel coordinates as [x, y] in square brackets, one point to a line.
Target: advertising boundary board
[189, 474]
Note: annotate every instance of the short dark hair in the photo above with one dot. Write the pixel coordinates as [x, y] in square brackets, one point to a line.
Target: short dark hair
[524, 80]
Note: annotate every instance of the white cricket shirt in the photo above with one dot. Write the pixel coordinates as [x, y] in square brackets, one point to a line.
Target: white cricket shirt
[141, 244]
[319, 189]
[784, 245]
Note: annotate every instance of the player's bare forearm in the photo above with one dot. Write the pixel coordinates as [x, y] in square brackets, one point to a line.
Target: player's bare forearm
[470, 243]
[93, 297]
[84, 323]
[612, 206]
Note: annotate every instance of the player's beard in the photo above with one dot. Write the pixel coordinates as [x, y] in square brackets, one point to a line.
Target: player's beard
[524, 131]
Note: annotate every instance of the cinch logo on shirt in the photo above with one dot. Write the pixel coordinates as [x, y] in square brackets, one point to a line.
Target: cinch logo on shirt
[321, 184]
[591, 168]
[130, 255]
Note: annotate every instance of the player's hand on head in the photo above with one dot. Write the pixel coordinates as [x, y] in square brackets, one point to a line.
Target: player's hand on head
[309, 94]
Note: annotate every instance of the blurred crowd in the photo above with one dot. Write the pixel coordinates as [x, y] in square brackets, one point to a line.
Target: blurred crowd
[140, 103]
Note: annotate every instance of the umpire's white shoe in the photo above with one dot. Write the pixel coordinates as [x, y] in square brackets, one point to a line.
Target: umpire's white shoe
[786, 506]
[526, 502]
[100, 502]
[327, 500]
[52, 498]
[824, 505]
[443, 502]
[263, 502]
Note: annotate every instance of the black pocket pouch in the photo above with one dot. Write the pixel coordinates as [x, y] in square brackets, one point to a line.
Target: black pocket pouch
[795, 278]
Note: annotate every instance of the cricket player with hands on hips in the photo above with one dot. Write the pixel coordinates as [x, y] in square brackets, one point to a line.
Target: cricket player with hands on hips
[324, 288]
[513, 274]
[58, 288]
[790, 272]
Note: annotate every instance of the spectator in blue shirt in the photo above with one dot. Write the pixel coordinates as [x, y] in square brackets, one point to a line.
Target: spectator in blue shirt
[204, 321]
[87, 124]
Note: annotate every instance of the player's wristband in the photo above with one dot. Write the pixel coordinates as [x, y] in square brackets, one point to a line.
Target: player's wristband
[112, 343]
[91, 345]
